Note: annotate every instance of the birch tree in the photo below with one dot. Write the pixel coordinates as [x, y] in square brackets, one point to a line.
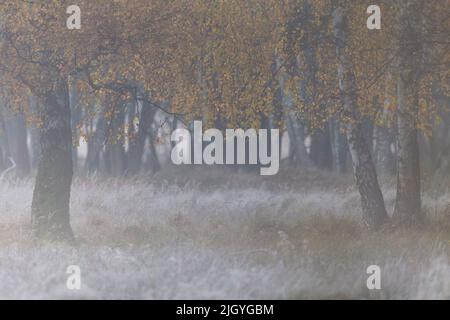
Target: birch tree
[372, 202]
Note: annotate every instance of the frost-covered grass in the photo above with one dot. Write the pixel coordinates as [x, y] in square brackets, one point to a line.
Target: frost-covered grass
[215, 235]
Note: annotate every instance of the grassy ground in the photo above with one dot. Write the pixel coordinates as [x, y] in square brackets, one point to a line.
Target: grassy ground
[212, 234]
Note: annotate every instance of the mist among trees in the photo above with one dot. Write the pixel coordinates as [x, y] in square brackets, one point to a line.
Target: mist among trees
[87, 113]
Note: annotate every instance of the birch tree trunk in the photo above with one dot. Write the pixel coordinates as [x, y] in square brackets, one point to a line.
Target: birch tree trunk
[372, 202]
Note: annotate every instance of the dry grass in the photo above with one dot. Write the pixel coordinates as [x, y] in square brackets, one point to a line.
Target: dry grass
[212, 234]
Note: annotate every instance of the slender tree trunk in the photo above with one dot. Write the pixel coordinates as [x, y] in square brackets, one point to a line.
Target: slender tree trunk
[295, 128]
[408, 201]
[152, 162]
[383, 138]
[2, 161]
[114, 155]
[293, 141]
[339, 146]
[98, 139]
[321, 151]
[408, 207]
[298, 154]
[51, 198]
[382, 151]
[34, 134]
[95, 145]
[276, 118]
[17, 132]
[372, 202]
[137, 145]
[76, 114]
[4, 143]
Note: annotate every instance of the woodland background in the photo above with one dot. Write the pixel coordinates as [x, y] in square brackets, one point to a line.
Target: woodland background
[86, 117]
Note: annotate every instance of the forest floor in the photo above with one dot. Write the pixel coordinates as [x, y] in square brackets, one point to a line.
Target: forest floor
[216, 235]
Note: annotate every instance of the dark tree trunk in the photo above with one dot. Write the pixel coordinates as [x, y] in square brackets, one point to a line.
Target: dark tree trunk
[321, 152]
[51, 198]
[408, 201]
[153, 163]
[408, 207]
[137, 145]
[95, 143]
[339, 146]
[295, 128]
[382, 151]
[298, 154]
[368, 131]
[114, 155]
[372, 202]
[303, 65]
